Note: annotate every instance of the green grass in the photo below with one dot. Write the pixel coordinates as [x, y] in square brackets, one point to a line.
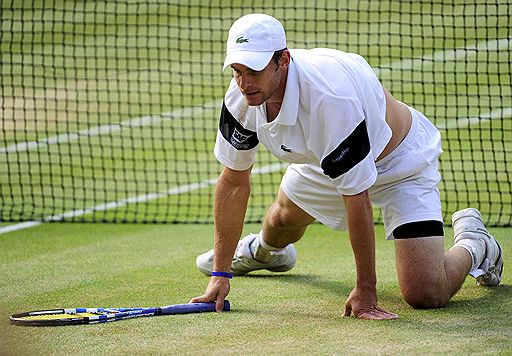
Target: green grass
[299, 312]
[73, 66]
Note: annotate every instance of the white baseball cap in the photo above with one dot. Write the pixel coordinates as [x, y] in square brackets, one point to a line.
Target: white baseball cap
[253, 39]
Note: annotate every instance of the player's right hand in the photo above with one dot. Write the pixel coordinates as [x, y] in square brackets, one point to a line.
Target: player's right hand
[217, 291]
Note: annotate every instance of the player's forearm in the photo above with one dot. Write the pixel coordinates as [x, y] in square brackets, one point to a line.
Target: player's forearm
[231, 196]
[362, 238]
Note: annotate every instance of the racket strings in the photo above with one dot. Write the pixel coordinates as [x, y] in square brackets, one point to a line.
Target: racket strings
[61, 316]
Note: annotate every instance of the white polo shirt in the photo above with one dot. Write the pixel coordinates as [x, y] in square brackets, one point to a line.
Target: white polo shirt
[332, 115]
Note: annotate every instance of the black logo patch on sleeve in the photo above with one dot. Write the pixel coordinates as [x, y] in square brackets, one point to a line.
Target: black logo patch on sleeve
[238, 136]
[348, 154]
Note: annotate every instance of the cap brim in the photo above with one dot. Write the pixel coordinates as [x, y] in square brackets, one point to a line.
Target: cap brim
[254, 60]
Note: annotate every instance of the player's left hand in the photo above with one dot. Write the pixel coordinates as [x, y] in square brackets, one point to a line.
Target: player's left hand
[364, 306]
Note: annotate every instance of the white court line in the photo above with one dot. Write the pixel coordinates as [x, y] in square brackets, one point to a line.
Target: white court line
[446, 55]
[138, 199]
[501, 113]
[111, 128]
[450, 54]
[20, 226]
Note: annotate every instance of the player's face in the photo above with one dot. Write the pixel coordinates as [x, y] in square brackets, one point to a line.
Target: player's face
[259, 86]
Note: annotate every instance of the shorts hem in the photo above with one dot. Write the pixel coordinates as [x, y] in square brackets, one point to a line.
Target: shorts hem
[410, 219]
[332, 224]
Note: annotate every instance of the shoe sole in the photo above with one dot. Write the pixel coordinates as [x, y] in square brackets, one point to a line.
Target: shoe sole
[498, 270]
[280, 269]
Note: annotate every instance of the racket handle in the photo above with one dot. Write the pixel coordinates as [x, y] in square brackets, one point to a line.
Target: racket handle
[191, 308]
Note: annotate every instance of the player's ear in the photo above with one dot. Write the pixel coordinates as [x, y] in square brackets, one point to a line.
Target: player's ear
[284, 60]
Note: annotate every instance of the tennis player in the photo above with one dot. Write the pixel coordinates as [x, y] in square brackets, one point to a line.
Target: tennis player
[350, 144]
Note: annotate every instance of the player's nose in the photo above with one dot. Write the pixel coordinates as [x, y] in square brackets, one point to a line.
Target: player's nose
[245, 83]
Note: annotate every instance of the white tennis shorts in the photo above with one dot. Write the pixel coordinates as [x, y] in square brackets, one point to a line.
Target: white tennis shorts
[405, 190]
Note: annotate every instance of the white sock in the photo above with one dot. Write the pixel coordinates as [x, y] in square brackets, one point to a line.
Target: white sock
[475, 247]
[273, 250]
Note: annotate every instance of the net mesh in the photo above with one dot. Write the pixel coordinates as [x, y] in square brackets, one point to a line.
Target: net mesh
[109, 109]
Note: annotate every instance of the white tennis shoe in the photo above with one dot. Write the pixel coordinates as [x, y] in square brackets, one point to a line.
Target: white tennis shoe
[467, 224]
[251, 256]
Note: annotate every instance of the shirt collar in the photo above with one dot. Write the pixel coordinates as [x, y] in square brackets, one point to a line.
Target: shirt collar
[290, 106]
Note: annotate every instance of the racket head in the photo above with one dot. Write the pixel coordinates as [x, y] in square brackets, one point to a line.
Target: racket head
[77, 316]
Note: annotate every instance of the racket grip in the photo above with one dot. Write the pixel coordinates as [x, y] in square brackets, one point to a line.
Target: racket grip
[192, 308]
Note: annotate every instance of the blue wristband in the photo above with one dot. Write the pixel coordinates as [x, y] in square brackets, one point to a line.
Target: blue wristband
[222, 274]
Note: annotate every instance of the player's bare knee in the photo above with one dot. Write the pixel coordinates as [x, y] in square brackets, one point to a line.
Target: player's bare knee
[285, 215]
[426, 298]
[279, 217]
[425, 290]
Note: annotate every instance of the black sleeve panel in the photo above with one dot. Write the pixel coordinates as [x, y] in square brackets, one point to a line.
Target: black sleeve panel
[348, 154]
[238, 136]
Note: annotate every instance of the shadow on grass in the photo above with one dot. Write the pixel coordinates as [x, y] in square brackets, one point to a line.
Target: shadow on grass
[471, 302]
[315, 281]
[492, 298]
[338, 288]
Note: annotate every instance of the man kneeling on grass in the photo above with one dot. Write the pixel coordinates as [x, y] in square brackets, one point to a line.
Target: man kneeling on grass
[351, 144]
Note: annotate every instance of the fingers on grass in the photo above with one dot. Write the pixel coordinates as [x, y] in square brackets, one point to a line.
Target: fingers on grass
[348, 310]
[376, 313]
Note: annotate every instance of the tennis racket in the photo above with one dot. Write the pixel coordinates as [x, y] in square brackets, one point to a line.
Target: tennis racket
[76, 316]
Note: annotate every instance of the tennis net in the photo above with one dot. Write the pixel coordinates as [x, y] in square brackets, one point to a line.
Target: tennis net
[109, 109]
